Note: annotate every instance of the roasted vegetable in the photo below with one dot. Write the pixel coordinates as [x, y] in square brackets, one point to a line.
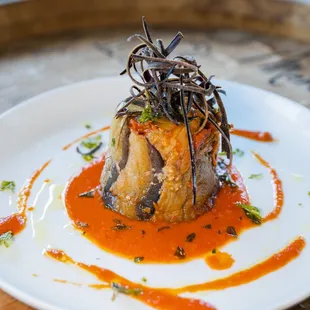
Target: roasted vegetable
[161, 164]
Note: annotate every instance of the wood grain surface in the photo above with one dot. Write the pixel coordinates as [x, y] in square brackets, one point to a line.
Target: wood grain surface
[31, 66]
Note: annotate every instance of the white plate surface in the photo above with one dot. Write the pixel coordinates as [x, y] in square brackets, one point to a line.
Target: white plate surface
[37, 130]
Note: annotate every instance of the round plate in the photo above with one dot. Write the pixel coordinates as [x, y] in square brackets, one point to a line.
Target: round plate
[36, 131]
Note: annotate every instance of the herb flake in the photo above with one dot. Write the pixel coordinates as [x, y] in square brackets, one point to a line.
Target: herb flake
[252, 213]
[162, 228]
[81, 224]
[88, 157]
[120, 225]
[87, 126]
[125, 290]
[144, 279]
[257, 176]
[147, 115]
[238, 152]
[138, 259]
[190, 237]
[208, 226]
[180, 253]
[6, 239]
[113, 141]
[231, 231]
[213, 251]
[7, 186]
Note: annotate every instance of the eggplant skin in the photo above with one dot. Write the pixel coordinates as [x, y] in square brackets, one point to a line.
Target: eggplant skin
[154, 182]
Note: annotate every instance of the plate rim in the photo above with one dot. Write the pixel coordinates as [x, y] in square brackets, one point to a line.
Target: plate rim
[37, 302]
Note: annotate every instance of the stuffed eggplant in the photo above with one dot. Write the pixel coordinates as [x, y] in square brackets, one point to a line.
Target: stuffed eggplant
[164, 140]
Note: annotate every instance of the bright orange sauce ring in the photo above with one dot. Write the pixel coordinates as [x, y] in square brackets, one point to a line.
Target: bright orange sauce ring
[148, 239]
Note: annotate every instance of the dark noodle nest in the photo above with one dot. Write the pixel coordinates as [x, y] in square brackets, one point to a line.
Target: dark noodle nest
[174, 88]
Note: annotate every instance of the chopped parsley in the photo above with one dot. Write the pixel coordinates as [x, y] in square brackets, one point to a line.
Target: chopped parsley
[87, 126]
[300, 204]
[257, 176]
[113, 142]
[309, 193]
[88, 157]
[232, 231]
[7, 186]
[222, 153]
[238, 152]
[125, 290]
[251, 212]
[91, 143]
[144, 279]
[190, 237]
[147, 115]
[120, 225]
[6, 239]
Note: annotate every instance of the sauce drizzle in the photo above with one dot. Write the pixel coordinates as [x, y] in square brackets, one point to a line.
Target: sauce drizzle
[157, 298]
[277, 189]
[261, 136]
[17, 221]
[85, 136]
[168, 298]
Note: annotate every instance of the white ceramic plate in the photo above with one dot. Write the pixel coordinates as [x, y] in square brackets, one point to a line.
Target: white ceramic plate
[37, 130]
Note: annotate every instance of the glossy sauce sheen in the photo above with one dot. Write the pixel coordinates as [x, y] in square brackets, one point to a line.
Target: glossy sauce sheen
[156, 242]
[17, 221]
[261, 136]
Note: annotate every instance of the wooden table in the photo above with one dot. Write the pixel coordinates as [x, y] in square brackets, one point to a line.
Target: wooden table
[35, 66]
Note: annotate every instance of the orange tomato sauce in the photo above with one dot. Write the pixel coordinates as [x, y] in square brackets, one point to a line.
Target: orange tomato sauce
[277, 189]
[17, 221]
[260, 136]
[168, 298]
[156, 298]
[155, 242]
[220, 260]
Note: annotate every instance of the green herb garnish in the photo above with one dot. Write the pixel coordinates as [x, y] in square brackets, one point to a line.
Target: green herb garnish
[147, 115]
[251, 212]
[138, 259]
[91, 143]
[113, 142]
[222, 153]
[88, 157]
[7, 186]
[309, 193]
[190, 237]
[300, 204]
[6, 239]
[238, 152]
[257, 176]
[144, 279]
[124, 290]
[87, 126]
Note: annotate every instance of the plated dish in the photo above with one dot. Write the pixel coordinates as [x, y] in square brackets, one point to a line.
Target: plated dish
[161, 189]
